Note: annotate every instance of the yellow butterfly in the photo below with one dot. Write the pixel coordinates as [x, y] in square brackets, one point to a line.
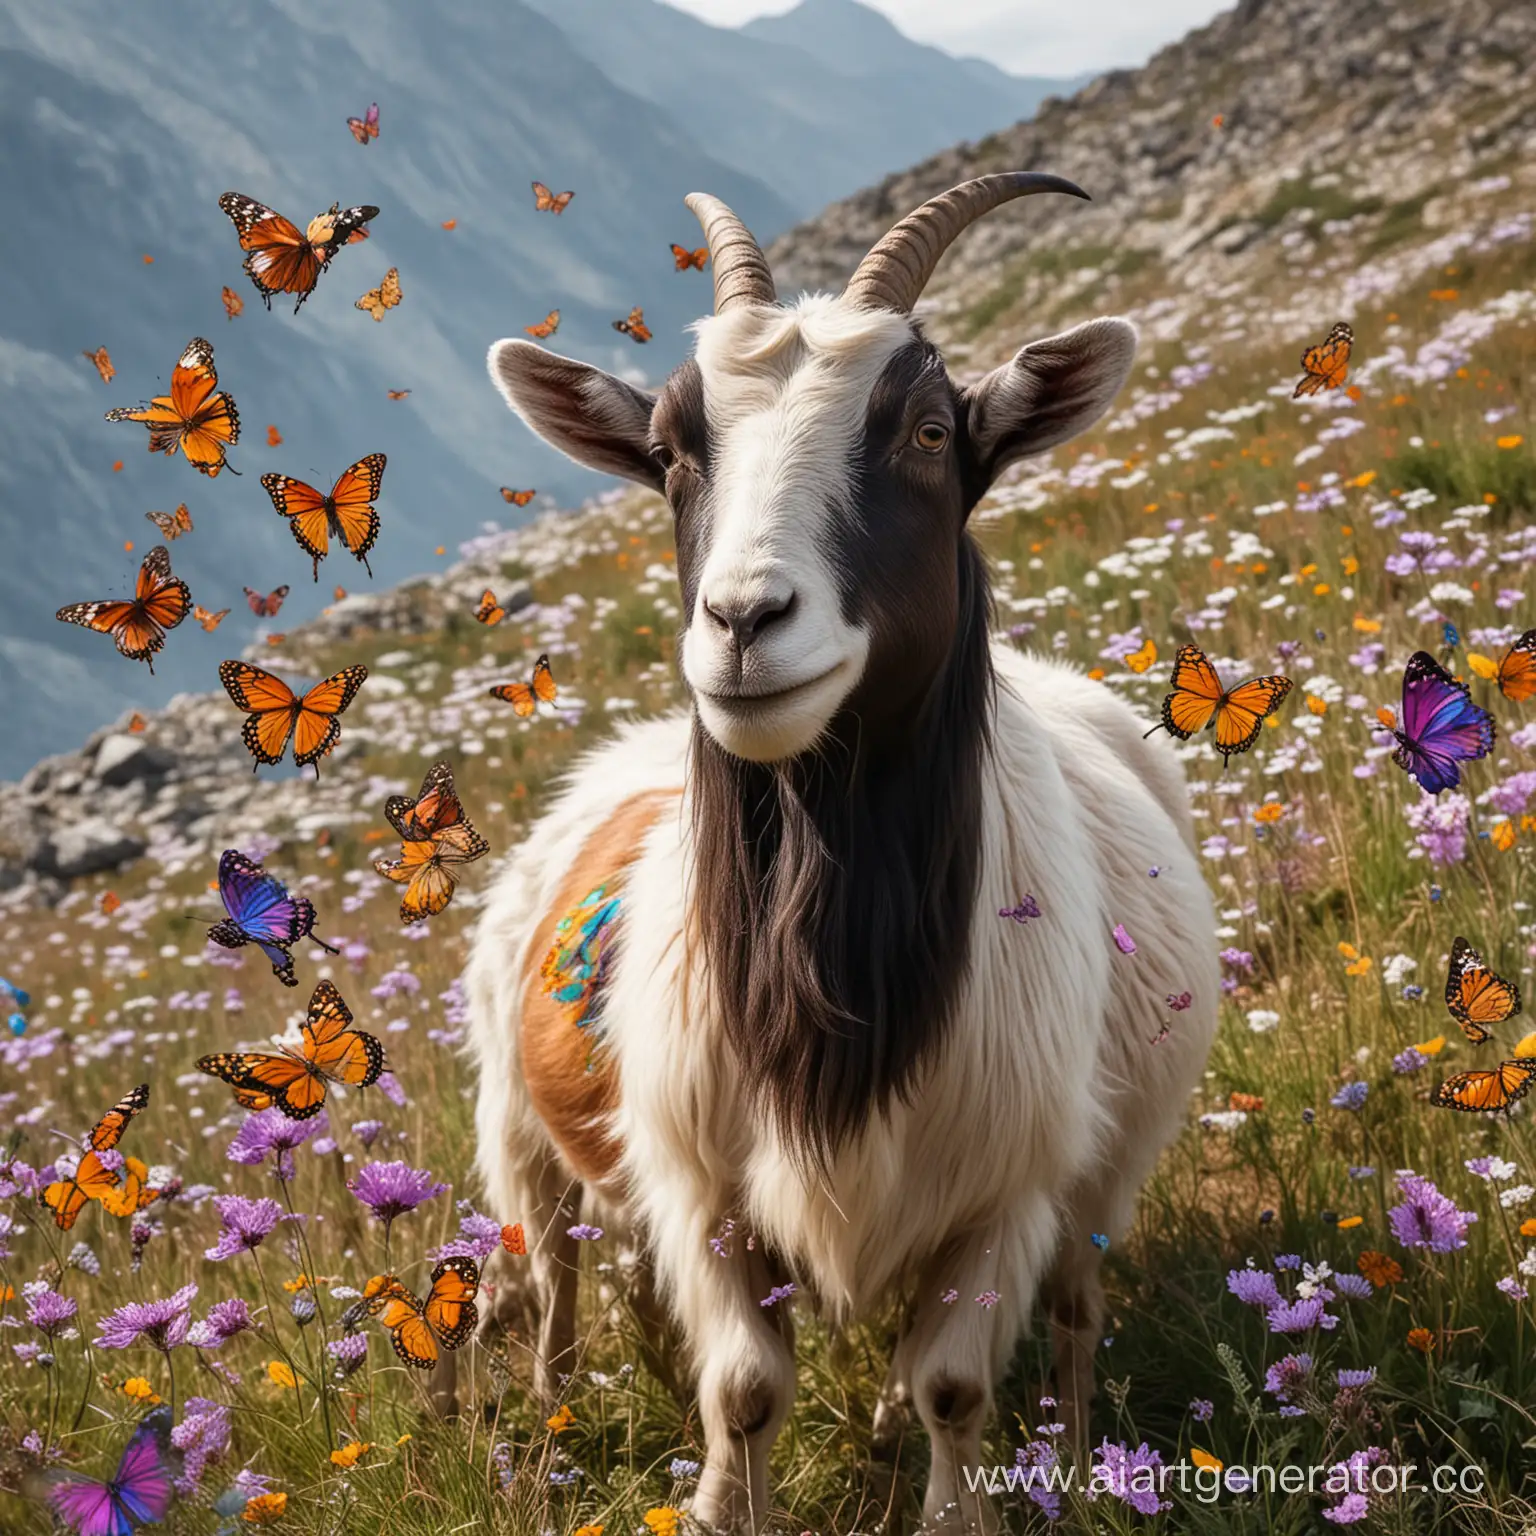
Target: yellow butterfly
[384, 297]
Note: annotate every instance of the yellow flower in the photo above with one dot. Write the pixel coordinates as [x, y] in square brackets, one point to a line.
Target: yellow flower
[1201, 1459]
[1485, 666]
[1512, 441]
[1348, 950]
[265, 1508]
[1308, 570]
[1358, 967]
[1367, 626]
[663, 1520]
[1322, 589]
[1527, 1047]
[1316, 705]
[279, 1374]
[348, 1455]
[1502, 836]
[1351, 566]
[140, 1391]
[1431, 1047]
[1271, 810]
[589, 1530]
[561, 1419]
[402, 1439]
[1347, 1222]
[1421, 1339]
[1363, 479]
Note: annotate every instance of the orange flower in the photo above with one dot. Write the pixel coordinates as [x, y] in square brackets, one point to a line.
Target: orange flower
[1096, 675]
[1526, 1047]
[1249, 1103]
[1348, 950]
[139, 1389]
[663, 1520]
[589, 1530]
[1379, 1269]
[265, 1508]
[1512, 441]
[1485, 666]
[348, 1455]
[1200, 1458]
[1271, 810]
[1358, 967]
[1367, 626]
[1444, 295]
[1322, 589]
[1351, 566]
[1346, 1223]
[1421, 1339]
[561, 1419]
[279, 1374]
[1528, 1227]
[1316, 705]
[1502, 836]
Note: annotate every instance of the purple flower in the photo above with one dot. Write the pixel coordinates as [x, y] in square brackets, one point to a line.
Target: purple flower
[1349, 1379]
[1512, 1288]
[1355, 1287]
[1022, 913]
[1238, 959]
[47, 1311]
[1202, 1410]
[584, 1234]
[160, 1324]
[1409, 1061]
[201, 1437]
[478, 1238]
[349, 1351]
[681, 1470]
[1287, 1261]
[1362, 1171]
[988, 1299]
[393, 983]
[225, 1319]
[1426, 1218]
[391, 1189]
[1253, 1287]
[270, 1133]
[1035, 1462]
[1131, 1476]
[1287, 1375]
[367, 1131]
[777, 1294]
[1302, 1315]
[1350, 1096]
[1125, 944]
[246, 1224]
[1351, 1508]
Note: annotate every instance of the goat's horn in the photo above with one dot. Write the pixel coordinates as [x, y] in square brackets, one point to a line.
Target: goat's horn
[741, 269]
[897, 270]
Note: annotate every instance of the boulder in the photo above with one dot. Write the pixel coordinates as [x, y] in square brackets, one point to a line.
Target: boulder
[122, 758]
[86, 848]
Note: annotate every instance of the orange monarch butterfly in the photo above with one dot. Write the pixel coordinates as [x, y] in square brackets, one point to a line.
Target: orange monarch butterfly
[1325, 367]
[545, 201]
[684, 258]
[418, 1330]
[347, 511]
[108, 1131]
[366, 127]
[1475, 996]
[265, 607]
[377, 300]
[517, 498]
[294, 1082]
[276, 639]
[1140, 660]
[513, 1241]
[193, 417]
[1484, 1091]
[103, 364]
[490, 611]
[233, 303]
[634, 327]
[398, 394]
[1198, 699]
[546, 327]
[277, 712]
[172, 524]
[1517, 669]
[436, 835]
[525, 697]
[138, 627]
[274, 438]
[281, 260]
[92, 1179]
[209, 621]
[133, 1194]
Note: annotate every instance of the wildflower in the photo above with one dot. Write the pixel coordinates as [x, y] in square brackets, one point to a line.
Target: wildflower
[139, 1390]
[304, 1308]
[161, 1324]
[780, 1293]
[1035, 1461]
[1204, 1460]
[1512, 1288]
[1131, 1476]
[1201, 1410]
[348, 1352]
[246, 1223]
[1288, 1375]
[1022, 913]
[367, 1131]
[1362, 1171]
[1440, 826]
[81, 1256]
[662, 1521]
[1516, 1194]
[682, 1470]
[390, 1190]
[1253, 1287]
[351, 1453]
[1355, 1379]
[560, 1420]
[950, 1297]
[1412, 992]
[988, 1299]
[1511, 440]
[584, 1234]
[225, 1319]
[1379, 1269]
[48, 1312]
[479, 1236]
[1354, 1287]
[265, 1508]
[1351, 1508]
[1409, 1060]
[1287, 1261]
[201, 1437]
[1301, 1316]
[1528, 1228]
[1262, 1020]
[1350, 1096]
[270, 1133]
[281, 1374]
[1428, 1219]
[1495, 1169]
[1421, 1339]
[1123, 941]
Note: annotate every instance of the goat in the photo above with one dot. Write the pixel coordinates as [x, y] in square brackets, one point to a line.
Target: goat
[814, 1027]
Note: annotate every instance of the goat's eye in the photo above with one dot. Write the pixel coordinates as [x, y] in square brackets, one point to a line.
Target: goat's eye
[931, 436]
[663, 457]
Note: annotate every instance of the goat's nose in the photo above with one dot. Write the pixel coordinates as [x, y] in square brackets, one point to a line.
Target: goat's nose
[747, 615]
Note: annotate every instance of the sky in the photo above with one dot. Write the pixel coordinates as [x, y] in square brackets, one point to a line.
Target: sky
[1027, 37]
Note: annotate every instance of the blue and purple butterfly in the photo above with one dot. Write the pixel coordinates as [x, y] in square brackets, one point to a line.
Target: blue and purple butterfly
[261, 912]
[1439, 726]
[138, 1494]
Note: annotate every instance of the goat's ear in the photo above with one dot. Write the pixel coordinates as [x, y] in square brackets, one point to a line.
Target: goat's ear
[589, 415]
[1051, 391]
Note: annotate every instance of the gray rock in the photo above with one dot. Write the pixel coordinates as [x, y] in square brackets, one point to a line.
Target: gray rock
[123, 758]
[86, 848]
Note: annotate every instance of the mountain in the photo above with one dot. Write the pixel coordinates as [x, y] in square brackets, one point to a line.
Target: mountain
[823, 99]
[116, 140]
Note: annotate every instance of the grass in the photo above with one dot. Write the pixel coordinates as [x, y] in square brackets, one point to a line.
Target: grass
[1177, 550]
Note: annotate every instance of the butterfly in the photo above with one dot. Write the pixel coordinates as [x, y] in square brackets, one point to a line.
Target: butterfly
[274, 438]
[366, 127]
[337, 593]
[545, 201]
[209, 621]
[450, 223]
[132, 1194]
[261, 912]
[92, 1179]
[1438, 725]
[1475, 996]
[490, 611]
[546, 327]
[1517, 669]
[194, 417]
[139, 1493]
[110, 902]
[160, 602]
[522, 498]
[265, 607]
[277, 712]
[137, 724]
[525, 697]
[398, 394]
[1140, 660]
[634, 327]
[276, 639]
[347, 512]
[513, 1241]
[281, 260]
[1325, 367]
[417, 1328]
[103, 362]
[436, 835]
[294, 1082]
[382, 298]
[172, 524]
[233, 303]
[1482, 1091]
[1198, 698]
[684, 258]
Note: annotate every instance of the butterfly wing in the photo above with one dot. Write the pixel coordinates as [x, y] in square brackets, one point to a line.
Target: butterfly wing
[403, 1315]
[273, 706]
[333, 1047]
[102, 363]
[1242, 711]
[210, 621]
[108, 1131]
[561, 201]
[450, 1305]
[1439, 725]
[279, 256]
[307, 513]
[259, 903]
[233, 303]
[87, 1507]
[546, 327]
[518, 695]
[513, 1240]
[1481, 1092]
[435, 807]
[429, 884]
[210, 422]
[1197, 692]
[266, 607]
[145, 1481]
[1517, 669]
[273, 1080]
[317, 726]
[1475, 996]
[1325, 367]
[132, 1195]
[489, 611]
[542, 197]
[357, 524]
[66, 1198]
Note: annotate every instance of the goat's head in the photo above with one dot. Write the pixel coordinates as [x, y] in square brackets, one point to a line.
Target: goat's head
[821, 464]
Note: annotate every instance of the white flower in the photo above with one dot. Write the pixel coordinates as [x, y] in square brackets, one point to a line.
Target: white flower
[1396, 967]
[1450, 592]
[1498, 1169]
[1261, 1020]
[1516, 1194]
[1224, 1119]
[1313, 1279]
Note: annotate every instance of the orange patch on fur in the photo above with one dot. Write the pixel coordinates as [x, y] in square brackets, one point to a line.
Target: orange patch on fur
[576, 1103]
